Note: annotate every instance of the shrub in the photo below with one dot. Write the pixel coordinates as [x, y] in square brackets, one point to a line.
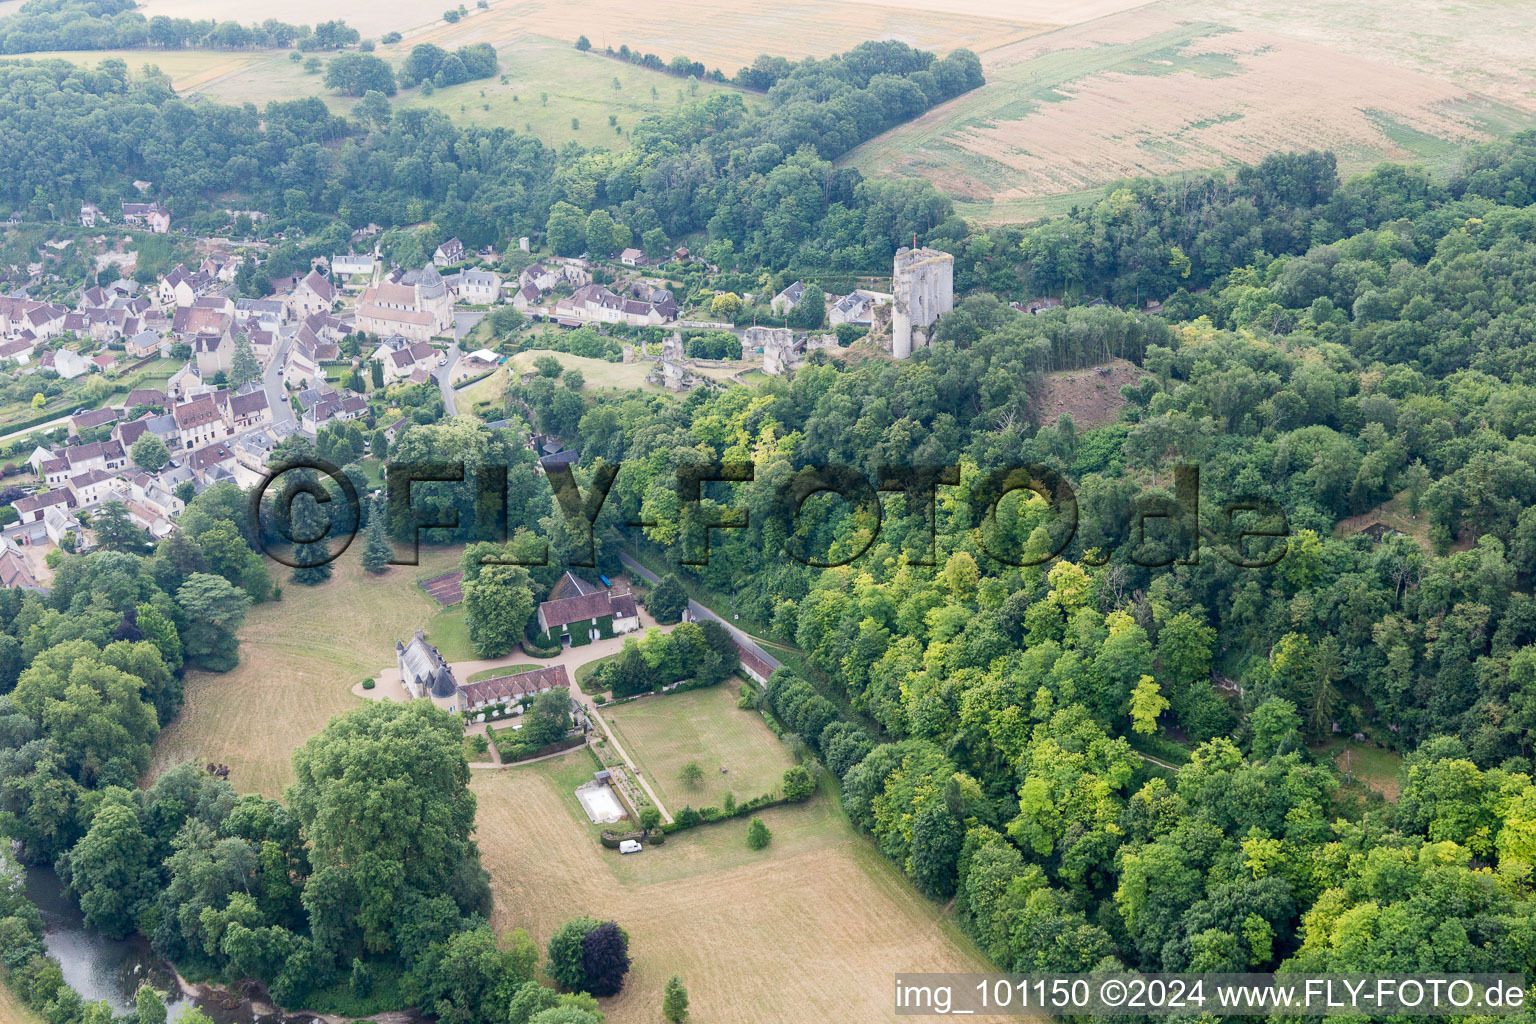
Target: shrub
[605, 959]
[668, 600]
[565, 952]
[368, 684]
[757, 834]
[798, 784]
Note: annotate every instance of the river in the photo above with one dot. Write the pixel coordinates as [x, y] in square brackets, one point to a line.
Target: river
[100, 968]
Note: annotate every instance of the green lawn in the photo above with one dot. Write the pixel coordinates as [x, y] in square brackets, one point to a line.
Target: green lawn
[664, 733]
[448, 631]
[584, 674]
[488, 390]
[1372, 766]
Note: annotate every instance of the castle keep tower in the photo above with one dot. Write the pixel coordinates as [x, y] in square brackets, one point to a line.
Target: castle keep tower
[924, 285]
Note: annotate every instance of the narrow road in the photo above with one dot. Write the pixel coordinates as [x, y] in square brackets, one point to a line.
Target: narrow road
[1152, 760]
[698, 611]
[50, 425]
[272, 382]
[463, 323]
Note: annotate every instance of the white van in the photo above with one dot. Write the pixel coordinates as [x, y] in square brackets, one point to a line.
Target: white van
[629, 846]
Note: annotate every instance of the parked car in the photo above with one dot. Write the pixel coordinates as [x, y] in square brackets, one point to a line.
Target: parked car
[629, 846]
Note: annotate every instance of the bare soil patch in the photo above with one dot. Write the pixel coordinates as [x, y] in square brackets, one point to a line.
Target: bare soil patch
[1091, 397]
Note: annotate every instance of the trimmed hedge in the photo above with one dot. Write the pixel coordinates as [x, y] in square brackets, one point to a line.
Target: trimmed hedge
[549, 748]
[541, 652]
[689, 818]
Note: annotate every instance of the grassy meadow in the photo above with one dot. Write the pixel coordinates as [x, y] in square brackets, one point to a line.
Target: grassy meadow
[299, 659]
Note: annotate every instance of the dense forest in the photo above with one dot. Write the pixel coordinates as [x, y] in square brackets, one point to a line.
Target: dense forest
[40, 26]
[761, 183]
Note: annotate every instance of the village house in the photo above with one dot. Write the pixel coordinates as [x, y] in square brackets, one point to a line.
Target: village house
[147, 215]
[104, 362]
[787, 299]
[396, 428]
[588, 617]
[15, 573]
[91, 420]
[43, 320]
[327, 327]
[262, 341]
[212, 463]
[312, 295]
[402, 362]
[182, 287]
[253, 450]
[91, 487]
[270, 313]
[525, 298]
[449, 253]
[66, 363]
[302, 368]
[248, 409]
[55, 522]
[90, 214]
[632, 257]
[856, 308]
[545, 276]
[640, 306]
[33, 507]
[198, 423]
[147, 397]
[349, 270]
[145, 344]
[213, 352]
[478, 287]
[18, 352]
[183, 383]
[324, 405]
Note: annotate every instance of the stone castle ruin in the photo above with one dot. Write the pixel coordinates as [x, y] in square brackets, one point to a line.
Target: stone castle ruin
[923, 283]
[673, 373]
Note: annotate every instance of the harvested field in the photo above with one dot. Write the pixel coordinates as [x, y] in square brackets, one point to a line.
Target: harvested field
[188, 68]
[732, 34]
[727, 35]
[1142, 93]
[1091, 398]
[1485, 45]
[705, 907]
[299, 659]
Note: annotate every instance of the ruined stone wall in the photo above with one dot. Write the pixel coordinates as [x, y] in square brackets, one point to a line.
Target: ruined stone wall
[923, 283]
